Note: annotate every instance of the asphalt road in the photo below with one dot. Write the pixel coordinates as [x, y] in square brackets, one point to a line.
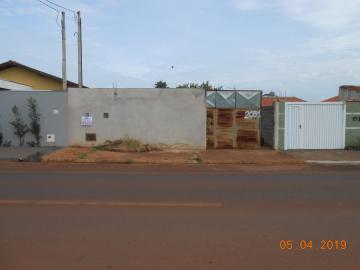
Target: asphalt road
[182, 218]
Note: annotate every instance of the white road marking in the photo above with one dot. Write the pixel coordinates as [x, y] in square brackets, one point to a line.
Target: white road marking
[114, 203]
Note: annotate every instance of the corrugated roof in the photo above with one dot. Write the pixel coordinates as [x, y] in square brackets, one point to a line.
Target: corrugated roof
[269, 101]
[10, 64]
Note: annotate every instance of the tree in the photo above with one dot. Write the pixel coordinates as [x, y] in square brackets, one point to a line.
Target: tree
[189, 85]
[205, 85]
[34, 116]
[161, 84]
[21, 129]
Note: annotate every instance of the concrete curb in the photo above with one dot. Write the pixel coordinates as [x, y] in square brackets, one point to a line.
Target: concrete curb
[334, 162]
[168, 162]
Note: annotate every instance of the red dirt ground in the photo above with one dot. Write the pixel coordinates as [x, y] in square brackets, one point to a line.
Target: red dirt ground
[246, 157]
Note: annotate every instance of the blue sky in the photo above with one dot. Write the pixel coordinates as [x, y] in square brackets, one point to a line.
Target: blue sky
[305, 48]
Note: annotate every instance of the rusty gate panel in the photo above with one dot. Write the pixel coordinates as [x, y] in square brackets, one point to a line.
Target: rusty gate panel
[233, 119]
[210, 128]
[232, 129]
[225, 139]
[225, 118]
[248, 129]
[247, 139]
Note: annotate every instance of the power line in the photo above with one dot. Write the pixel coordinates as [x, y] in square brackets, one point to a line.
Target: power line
[64, 8]
[60, 6]
[49, 6]
[77, 20]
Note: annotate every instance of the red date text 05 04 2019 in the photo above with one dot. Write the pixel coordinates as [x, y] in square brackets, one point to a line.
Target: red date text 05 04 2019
[324, 245]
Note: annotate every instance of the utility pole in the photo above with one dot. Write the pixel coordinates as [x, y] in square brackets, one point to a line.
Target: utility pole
[63, 34]
[79, 36]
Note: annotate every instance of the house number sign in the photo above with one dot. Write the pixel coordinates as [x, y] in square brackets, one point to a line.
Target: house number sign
[252, 114]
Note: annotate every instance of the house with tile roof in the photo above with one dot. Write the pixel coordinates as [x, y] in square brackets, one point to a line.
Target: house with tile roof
[18, 76]
[270, 100]
[346, 93]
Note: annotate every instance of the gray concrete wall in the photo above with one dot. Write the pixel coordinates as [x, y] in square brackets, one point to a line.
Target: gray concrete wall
[352, 125]
[51, 123]
[175, 117]
[267, 125]
[279, 126]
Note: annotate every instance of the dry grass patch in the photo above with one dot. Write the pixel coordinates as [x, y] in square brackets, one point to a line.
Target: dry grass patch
[129, 145]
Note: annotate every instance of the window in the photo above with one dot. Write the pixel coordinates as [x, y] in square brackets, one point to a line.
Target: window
[90, 137]
[106, 115]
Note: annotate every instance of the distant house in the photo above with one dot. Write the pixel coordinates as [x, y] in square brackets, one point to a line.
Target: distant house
[7, 85]
[346, 93]
[349, 93]
[270, 100]
[16, 76]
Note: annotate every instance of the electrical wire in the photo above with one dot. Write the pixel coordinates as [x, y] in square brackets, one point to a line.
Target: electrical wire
[60, 6]
[58, 11]
[64, 8]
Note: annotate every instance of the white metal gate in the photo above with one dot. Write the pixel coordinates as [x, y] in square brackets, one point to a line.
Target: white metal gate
[315, 125]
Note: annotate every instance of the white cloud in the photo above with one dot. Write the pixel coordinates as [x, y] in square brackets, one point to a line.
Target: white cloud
[323, 14]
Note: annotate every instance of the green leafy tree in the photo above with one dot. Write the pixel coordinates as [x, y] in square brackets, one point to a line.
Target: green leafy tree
[205, 85]
[189, 85]
[20, 128]
[34, 116]
[161, 84]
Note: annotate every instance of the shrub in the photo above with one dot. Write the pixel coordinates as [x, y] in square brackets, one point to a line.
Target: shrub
[34, 116]
[20, 128]
[7, 143]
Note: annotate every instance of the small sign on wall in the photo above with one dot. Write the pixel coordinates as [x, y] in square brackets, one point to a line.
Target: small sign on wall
[86, 121]
[50, 138]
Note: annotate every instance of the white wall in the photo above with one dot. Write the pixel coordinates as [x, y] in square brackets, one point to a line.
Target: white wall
[14, 86]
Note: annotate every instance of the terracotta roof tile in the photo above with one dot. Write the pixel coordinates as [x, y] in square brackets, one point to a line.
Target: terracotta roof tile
[332, 99]
[269, 101]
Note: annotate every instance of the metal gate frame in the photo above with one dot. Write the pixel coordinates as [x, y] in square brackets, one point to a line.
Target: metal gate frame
[237, 106]
[286, 124]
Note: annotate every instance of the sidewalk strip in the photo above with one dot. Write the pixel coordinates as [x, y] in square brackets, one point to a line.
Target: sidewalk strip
[115, 204]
